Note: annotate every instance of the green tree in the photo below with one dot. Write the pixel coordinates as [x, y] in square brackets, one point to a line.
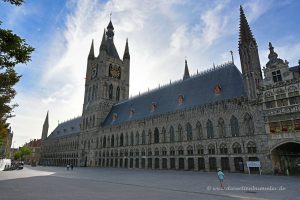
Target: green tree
[13, 50]
[25, 150]
[17, 155]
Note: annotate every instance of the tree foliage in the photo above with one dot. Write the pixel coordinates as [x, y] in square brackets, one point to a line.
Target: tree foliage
[13, 50]
[23, 151]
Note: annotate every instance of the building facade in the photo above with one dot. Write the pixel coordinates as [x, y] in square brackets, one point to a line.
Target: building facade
[217, 118]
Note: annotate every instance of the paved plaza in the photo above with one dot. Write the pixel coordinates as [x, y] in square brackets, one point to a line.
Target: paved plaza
[56, 183]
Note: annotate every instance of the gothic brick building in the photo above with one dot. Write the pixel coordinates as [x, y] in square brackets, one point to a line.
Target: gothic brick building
[213, 119]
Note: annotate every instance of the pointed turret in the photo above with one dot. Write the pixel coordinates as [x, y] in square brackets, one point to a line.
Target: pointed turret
[91, 54]
[103, 46]
[126, 52]
[45, 127]
[272, 55]
[245, 32]
[186, 71]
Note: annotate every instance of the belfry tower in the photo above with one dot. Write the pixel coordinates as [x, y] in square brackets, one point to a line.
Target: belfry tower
[107, 81]
[250, 63]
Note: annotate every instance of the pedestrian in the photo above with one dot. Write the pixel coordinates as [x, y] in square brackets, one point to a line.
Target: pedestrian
[221, 177]
[72, 166]
[68, 167]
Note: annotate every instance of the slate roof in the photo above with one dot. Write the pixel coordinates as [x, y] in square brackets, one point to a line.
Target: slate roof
[71, 127]
[111, 49]
[197, 90]
[295, 69]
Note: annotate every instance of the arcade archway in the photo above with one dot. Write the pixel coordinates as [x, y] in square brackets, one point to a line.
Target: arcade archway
[286, 158]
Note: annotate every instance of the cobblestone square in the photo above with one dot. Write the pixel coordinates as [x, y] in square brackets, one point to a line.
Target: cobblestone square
[113, 183]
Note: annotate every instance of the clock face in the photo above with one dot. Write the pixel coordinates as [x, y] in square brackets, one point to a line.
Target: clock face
[115, 72]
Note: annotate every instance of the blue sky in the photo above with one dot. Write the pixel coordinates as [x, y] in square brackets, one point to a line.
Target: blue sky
[160, 33]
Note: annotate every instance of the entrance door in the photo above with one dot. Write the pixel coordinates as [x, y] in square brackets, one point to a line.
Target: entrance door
[181, 163]
[172, 163]
[191, 163]
[156, 163]
[212, 164]
[239, 164]
[225, 163]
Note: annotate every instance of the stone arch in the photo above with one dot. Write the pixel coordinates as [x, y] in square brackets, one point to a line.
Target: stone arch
[199, 130]
[236, 147]
[210, 129]
[110, 91]
[190, 150]
[234, 124]
[112, 141]
[121, 140]
[172, 135]
[211, 149]
[179, 133]
[156, 135]
[251, 147]
[118, 93]
[180, 150]
[248, 124]
[143, 137]
[221, 127]
[189, 132]
[149, 136]
[137, 138]
[223, 148]
[163, 135]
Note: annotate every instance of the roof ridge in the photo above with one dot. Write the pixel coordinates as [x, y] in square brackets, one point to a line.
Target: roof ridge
[202, 73]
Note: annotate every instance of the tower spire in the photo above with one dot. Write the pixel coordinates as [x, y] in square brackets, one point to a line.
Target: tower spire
[45, 127]
[91, 54]
[245, 31]
[110, 30]
[186, 71]
[126, 52]
[103, 46]
[249, 57]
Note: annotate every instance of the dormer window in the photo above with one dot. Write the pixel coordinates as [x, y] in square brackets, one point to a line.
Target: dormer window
[153, 107]
[276, 76]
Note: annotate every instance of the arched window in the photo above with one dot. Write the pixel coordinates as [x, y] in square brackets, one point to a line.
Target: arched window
[234, 126]
[104, 141]
[211, 149]
[163, 135]
[223, 149]
[149, 137]
[126, 139]
[156, 135]
[189, 132]
[248, 124]
[156, 152]
[137, 138]
[221, 128]
[200, 150]
[251, 147]
[180, 150]
[236, 148]
[112, 141]
[118, 94]
[179, 133]
[172, 136]
[131, 138]
[199, 131]
[121, 140]
[210, 129]
[110, 92]
[93, 120]
[164, 151]
[143, 137]
[97, 143]
[172, 151]
[190, 150]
